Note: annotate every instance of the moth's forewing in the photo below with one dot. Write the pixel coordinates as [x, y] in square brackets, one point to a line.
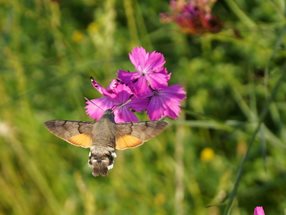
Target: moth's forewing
[129, 135]
[74, 132]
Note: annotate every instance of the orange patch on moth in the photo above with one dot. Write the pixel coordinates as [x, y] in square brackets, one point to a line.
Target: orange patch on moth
[127, 141]
[82, 140]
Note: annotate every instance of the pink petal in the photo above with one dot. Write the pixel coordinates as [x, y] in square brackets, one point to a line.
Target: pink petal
[123, 94]
[172, 109]
[145, 62]
[141, 87]
[157, 80]
[154, 62]
[164, 71]
[102, 90]
[173, 96]
[124, 115]
[259, 211]
[176, 91]
[97, 86]
[138, 58]
[96, 107]
[127, 77]
[155, 109]
[139, 103]
[113, 85]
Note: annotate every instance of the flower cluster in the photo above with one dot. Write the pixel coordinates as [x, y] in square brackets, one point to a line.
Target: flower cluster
[145, 89]
[194, 17]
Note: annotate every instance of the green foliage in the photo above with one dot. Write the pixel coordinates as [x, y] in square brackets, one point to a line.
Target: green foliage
[49, 49]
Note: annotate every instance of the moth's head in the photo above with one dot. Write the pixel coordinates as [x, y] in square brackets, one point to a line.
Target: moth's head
[109, 114]
[101, 162]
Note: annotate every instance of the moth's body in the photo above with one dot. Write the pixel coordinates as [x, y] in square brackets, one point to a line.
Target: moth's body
[102, 151]
[104, 136]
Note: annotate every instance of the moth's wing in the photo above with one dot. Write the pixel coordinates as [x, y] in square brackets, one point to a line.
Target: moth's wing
[129, 135]
[74, 132]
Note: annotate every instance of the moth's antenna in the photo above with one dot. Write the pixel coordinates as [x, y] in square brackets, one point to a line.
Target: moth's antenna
[125, 103]
[88, 100]
[113, 108]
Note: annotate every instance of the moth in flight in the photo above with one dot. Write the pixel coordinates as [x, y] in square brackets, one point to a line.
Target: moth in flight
[105, 137]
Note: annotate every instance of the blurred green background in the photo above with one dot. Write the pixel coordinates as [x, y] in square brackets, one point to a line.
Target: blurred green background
[48, 51]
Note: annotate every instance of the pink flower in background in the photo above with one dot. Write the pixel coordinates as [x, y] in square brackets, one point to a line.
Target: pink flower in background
[259, 211]
[194, 16]
[146, 89]
[150, 71]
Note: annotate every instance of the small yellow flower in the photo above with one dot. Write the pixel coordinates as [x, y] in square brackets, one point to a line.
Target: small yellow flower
[159, 199]
[77, 36]
[207, 154]
[92, 28]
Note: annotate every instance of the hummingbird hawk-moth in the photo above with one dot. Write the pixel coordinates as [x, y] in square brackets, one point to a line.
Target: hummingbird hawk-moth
[104, 137]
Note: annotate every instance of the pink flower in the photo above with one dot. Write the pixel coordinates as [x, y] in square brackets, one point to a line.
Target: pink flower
[116, 96]
[259, 210]
[144, 90]
[150, 71]
[194, 17]
[165, 102]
